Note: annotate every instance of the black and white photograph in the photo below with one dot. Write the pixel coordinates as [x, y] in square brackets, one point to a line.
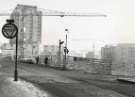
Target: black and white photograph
[67, 48]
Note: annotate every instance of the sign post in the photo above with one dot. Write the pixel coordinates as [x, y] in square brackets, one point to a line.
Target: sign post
[16, 72]
[10, 31]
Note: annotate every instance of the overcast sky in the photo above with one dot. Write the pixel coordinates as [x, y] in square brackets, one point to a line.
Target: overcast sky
[118, 27]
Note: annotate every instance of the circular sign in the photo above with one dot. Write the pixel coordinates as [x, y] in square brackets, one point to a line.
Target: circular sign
[9, 30]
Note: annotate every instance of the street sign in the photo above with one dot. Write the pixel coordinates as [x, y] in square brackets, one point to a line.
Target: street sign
[66, 50]
[9, 30]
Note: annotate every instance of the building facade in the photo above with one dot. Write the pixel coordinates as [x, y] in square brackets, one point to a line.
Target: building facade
[124, 54]
[50, 49]
[122, 57]
[8, 50]
[51, 52]
[28, 20]
[107, 53]
[89, 55]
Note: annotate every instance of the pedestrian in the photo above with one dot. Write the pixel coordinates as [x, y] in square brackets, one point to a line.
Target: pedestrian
[37, 59]
[46, 61]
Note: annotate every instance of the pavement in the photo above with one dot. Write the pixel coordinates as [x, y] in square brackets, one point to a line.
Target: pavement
[21, 88]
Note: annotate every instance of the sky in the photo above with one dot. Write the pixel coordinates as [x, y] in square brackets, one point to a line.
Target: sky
[84, 32]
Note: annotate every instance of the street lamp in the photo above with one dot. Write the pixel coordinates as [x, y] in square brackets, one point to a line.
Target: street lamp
[66, 52]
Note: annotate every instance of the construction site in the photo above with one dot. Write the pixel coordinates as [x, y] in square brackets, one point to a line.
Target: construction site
[67, 53]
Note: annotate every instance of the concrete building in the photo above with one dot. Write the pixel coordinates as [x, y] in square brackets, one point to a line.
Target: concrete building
[124, 54]
[107, 53]
[89, 55]
[74, 53]
[124, 60]
[122, 57]
[7, 50]
[119, 54]
[50, 50]
[28, 20]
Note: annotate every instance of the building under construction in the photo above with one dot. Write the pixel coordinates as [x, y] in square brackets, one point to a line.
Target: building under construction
[28, 20]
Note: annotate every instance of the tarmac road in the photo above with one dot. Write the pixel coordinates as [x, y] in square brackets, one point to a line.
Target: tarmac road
[127, 89]
[69, 83]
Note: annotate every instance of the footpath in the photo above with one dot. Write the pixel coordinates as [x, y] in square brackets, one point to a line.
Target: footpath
[21, 88]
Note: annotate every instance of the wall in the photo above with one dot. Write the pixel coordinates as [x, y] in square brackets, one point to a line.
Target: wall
[89, 65]
[79, 63]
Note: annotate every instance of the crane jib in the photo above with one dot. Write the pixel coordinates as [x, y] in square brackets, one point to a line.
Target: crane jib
[57, 14]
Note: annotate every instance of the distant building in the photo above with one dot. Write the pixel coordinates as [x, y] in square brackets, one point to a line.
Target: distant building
[28, 20]
[119, 54]
[122, 57]
[50, 50]
[74, 53]
[124, 54]
[7, 50]
[107, 53]
[89, 55]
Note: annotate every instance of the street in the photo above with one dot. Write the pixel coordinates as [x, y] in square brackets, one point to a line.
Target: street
[67, 83]
[66, 48]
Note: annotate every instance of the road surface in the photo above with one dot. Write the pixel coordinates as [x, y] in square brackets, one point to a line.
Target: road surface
[69, 83]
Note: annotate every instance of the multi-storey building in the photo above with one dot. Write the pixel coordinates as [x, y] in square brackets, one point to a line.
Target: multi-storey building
[124, 54]
[122, 57]
[28, 20]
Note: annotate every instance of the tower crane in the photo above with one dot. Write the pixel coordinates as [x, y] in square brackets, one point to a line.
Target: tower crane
[48, 12]
[45, 12]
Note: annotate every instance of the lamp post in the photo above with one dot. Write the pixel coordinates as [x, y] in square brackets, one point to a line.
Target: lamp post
[65, 51]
